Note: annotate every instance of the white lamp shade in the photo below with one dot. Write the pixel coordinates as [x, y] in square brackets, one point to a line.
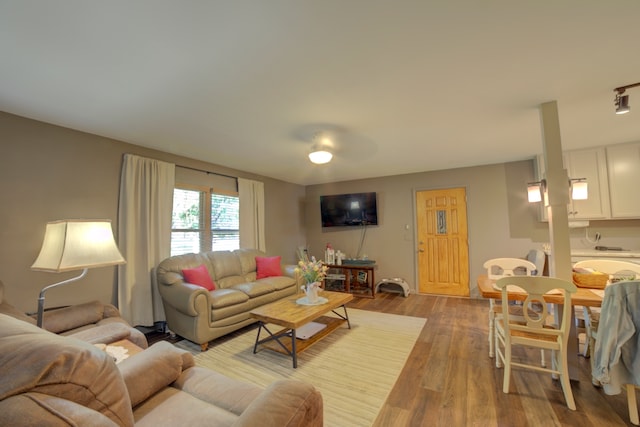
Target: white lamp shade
[533, 193]
[320, 157]
[579, 190]
[77, 244]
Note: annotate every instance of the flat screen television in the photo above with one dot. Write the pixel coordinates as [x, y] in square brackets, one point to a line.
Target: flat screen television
[344, 210]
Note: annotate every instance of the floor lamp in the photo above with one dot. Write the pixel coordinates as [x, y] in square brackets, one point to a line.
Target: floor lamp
[75, 245]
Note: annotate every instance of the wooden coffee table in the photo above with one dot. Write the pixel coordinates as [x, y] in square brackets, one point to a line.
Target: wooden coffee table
[290, 315]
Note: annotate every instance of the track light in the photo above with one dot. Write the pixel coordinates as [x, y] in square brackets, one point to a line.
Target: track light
[622, 101]
[622, 104]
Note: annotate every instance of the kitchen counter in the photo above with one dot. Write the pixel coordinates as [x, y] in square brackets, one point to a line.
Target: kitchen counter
[582, 254]
[609, 254]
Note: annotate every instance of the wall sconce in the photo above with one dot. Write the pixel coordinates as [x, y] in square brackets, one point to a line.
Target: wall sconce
[579, 189]
[622, 101]
[75, 245]
[320, 150]
[536, 191]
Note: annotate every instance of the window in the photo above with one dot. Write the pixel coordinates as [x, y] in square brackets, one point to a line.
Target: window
[204, 220]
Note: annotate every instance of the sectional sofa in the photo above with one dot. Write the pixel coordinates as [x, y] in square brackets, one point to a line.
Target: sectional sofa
[55, 380]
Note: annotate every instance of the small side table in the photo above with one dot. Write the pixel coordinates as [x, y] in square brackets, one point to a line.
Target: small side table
[355, 279]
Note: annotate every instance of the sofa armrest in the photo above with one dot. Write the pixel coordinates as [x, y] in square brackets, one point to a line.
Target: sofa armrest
[182, 296]
[285, 403]
[110, 310]
[153, 369]
[38, 409]
[290, 270]
[64, 319]
[135, 336]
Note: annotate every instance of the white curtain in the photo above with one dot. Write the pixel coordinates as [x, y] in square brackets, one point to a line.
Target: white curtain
[144, 231]
[251, 194]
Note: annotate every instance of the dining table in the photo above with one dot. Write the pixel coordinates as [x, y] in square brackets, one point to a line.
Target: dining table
[583, 297]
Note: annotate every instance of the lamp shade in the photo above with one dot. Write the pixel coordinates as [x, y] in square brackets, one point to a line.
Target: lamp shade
[579, 190]
[534, 192]
[77, 244]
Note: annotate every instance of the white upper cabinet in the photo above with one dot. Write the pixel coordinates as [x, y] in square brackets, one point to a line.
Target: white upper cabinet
[592, 165]
[623, 162]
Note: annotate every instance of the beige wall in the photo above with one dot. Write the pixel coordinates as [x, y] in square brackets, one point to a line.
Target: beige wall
[49, 172]
[501, 221]
[392, 243]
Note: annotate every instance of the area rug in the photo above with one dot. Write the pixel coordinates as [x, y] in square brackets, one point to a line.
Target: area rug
[354, 369]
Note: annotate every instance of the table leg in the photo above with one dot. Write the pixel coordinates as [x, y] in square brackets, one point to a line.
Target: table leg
[294, 354]
[255, 346]
[345, 317]
[276, 338]
[572, 343]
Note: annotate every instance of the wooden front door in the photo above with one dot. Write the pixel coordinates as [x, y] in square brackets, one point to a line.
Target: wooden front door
[443, 247]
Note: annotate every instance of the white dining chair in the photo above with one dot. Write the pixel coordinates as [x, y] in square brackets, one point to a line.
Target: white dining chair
[591, 315]
[496, 269]
[535, 332]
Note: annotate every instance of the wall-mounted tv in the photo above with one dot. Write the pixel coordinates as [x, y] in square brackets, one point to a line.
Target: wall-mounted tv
[343, 210]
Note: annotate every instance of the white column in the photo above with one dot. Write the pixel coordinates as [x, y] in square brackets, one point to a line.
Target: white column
[558, 192]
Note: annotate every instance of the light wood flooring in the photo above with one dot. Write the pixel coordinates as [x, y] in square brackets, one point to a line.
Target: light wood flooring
[449, 379]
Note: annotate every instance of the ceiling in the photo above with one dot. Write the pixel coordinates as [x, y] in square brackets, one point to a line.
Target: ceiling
[403, 86]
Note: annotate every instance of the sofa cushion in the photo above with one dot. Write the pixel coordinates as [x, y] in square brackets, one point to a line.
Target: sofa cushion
[255, 289]
[199, 276]
[227, 297]
[268, 266]
[225, 264]
[279, 282]
[247, 259]
[210, 386]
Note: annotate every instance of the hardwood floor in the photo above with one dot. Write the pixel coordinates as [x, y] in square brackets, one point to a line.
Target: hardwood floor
[449, 379]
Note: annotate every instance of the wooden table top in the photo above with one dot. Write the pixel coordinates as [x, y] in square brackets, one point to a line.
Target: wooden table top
[583, 297]
[289, 314]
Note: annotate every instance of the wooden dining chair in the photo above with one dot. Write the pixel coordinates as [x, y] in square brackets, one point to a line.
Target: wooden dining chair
[591, 315]
[534, 332]
[496, 269]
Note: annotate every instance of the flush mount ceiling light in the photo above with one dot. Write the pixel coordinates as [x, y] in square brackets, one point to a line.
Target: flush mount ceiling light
[622, 101]
[321, 149]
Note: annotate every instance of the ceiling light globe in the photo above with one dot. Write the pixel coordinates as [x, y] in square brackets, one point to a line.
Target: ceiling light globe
[320, 157]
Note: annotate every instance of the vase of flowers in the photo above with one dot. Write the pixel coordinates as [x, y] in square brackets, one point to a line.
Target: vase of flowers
[313, 273]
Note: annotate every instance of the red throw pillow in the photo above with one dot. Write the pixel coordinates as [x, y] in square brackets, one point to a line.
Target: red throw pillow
[267, 266]
[199, 276]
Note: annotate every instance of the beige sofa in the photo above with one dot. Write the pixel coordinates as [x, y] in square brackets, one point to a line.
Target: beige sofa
[53, 380]
[93, 322]
[200, 315]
